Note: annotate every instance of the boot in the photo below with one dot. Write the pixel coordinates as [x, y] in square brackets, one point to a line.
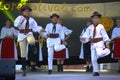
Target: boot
[34, 49]
[96, 74]
[61, 67]
[87, 69]
[91, 69]
[58, 67]
[33, 69]
[50, 72]
[23, 61]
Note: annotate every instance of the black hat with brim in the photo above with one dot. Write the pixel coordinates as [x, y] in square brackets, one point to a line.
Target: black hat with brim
[96, 14]
[54, 15]
[26, 7]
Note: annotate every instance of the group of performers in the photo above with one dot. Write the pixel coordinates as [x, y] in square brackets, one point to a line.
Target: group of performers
[94, 38]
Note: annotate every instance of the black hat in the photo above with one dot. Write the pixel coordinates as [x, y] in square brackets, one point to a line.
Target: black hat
[26, 7]
[96, 14]
[54, 15]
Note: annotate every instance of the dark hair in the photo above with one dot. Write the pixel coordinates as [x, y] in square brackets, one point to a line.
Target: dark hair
[25, 7]
[8, 20]
[118, 18]
[55, 15]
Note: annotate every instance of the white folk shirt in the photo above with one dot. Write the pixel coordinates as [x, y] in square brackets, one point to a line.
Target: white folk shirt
[32, 25]
[8, 32]
[82, 51]
[115, 32]
[100, 32]
[59, 30]
[66, 30]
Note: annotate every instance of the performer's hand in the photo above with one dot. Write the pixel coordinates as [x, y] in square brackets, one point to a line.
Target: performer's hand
[118, 37]
[43, 30]
[9, 37]
[48, 35]
[37, 40]
[107, 45]
[64, 42]
[82, 39]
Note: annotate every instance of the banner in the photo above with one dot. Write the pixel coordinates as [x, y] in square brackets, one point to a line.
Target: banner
[111, 9]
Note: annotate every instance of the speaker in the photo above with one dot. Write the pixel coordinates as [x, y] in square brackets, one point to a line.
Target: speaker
[7, 69]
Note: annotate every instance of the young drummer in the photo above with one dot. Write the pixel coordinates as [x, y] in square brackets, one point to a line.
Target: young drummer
[85, 52]
[116, 38]
[62, 55]
[99, 41]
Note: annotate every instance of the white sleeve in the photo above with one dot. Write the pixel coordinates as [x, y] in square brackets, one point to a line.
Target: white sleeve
[15, 32]
[35, 27]
[104, 35]
[82, 33]
[2, 33]
[61, 33]
[86, 35]
[113, 34]
[46, 29]
[67, 31]
[17, 21]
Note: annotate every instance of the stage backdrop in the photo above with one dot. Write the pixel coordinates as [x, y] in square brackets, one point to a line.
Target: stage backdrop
[75, 10]
[74, 17]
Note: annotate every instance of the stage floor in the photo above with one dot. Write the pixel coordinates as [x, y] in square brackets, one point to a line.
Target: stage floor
[68, 76]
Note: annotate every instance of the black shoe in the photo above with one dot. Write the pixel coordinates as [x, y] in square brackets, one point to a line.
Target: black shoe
[50, 72]
[96, 74]
[58, 67]
[87, 69]
[91, 69]
[24, 73]
[61, 68]
[33, 69]
[23, 61]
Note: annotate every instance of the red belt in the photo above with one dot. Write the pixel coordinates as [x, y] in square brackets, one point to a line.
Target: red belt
[95, 40]
[53, 35]
[25, 30]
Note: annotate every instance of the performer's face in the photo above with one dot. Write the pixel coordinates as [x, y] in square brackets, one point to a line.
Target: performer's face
[26, 12]
[8, 23]
[118, 23]
[54, 19]
[88, 24]
[95, 20]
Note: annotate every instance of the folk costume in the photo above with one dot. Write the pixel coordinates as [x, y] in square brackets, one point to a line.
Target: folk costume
[55, 35]
[25, 35]
[8, 46]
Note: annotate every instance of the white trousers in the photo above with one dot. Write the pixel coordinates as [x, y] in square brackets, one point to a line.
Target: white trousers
[51, 50]
[94, 58]
[30, 39]
[50, 57]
